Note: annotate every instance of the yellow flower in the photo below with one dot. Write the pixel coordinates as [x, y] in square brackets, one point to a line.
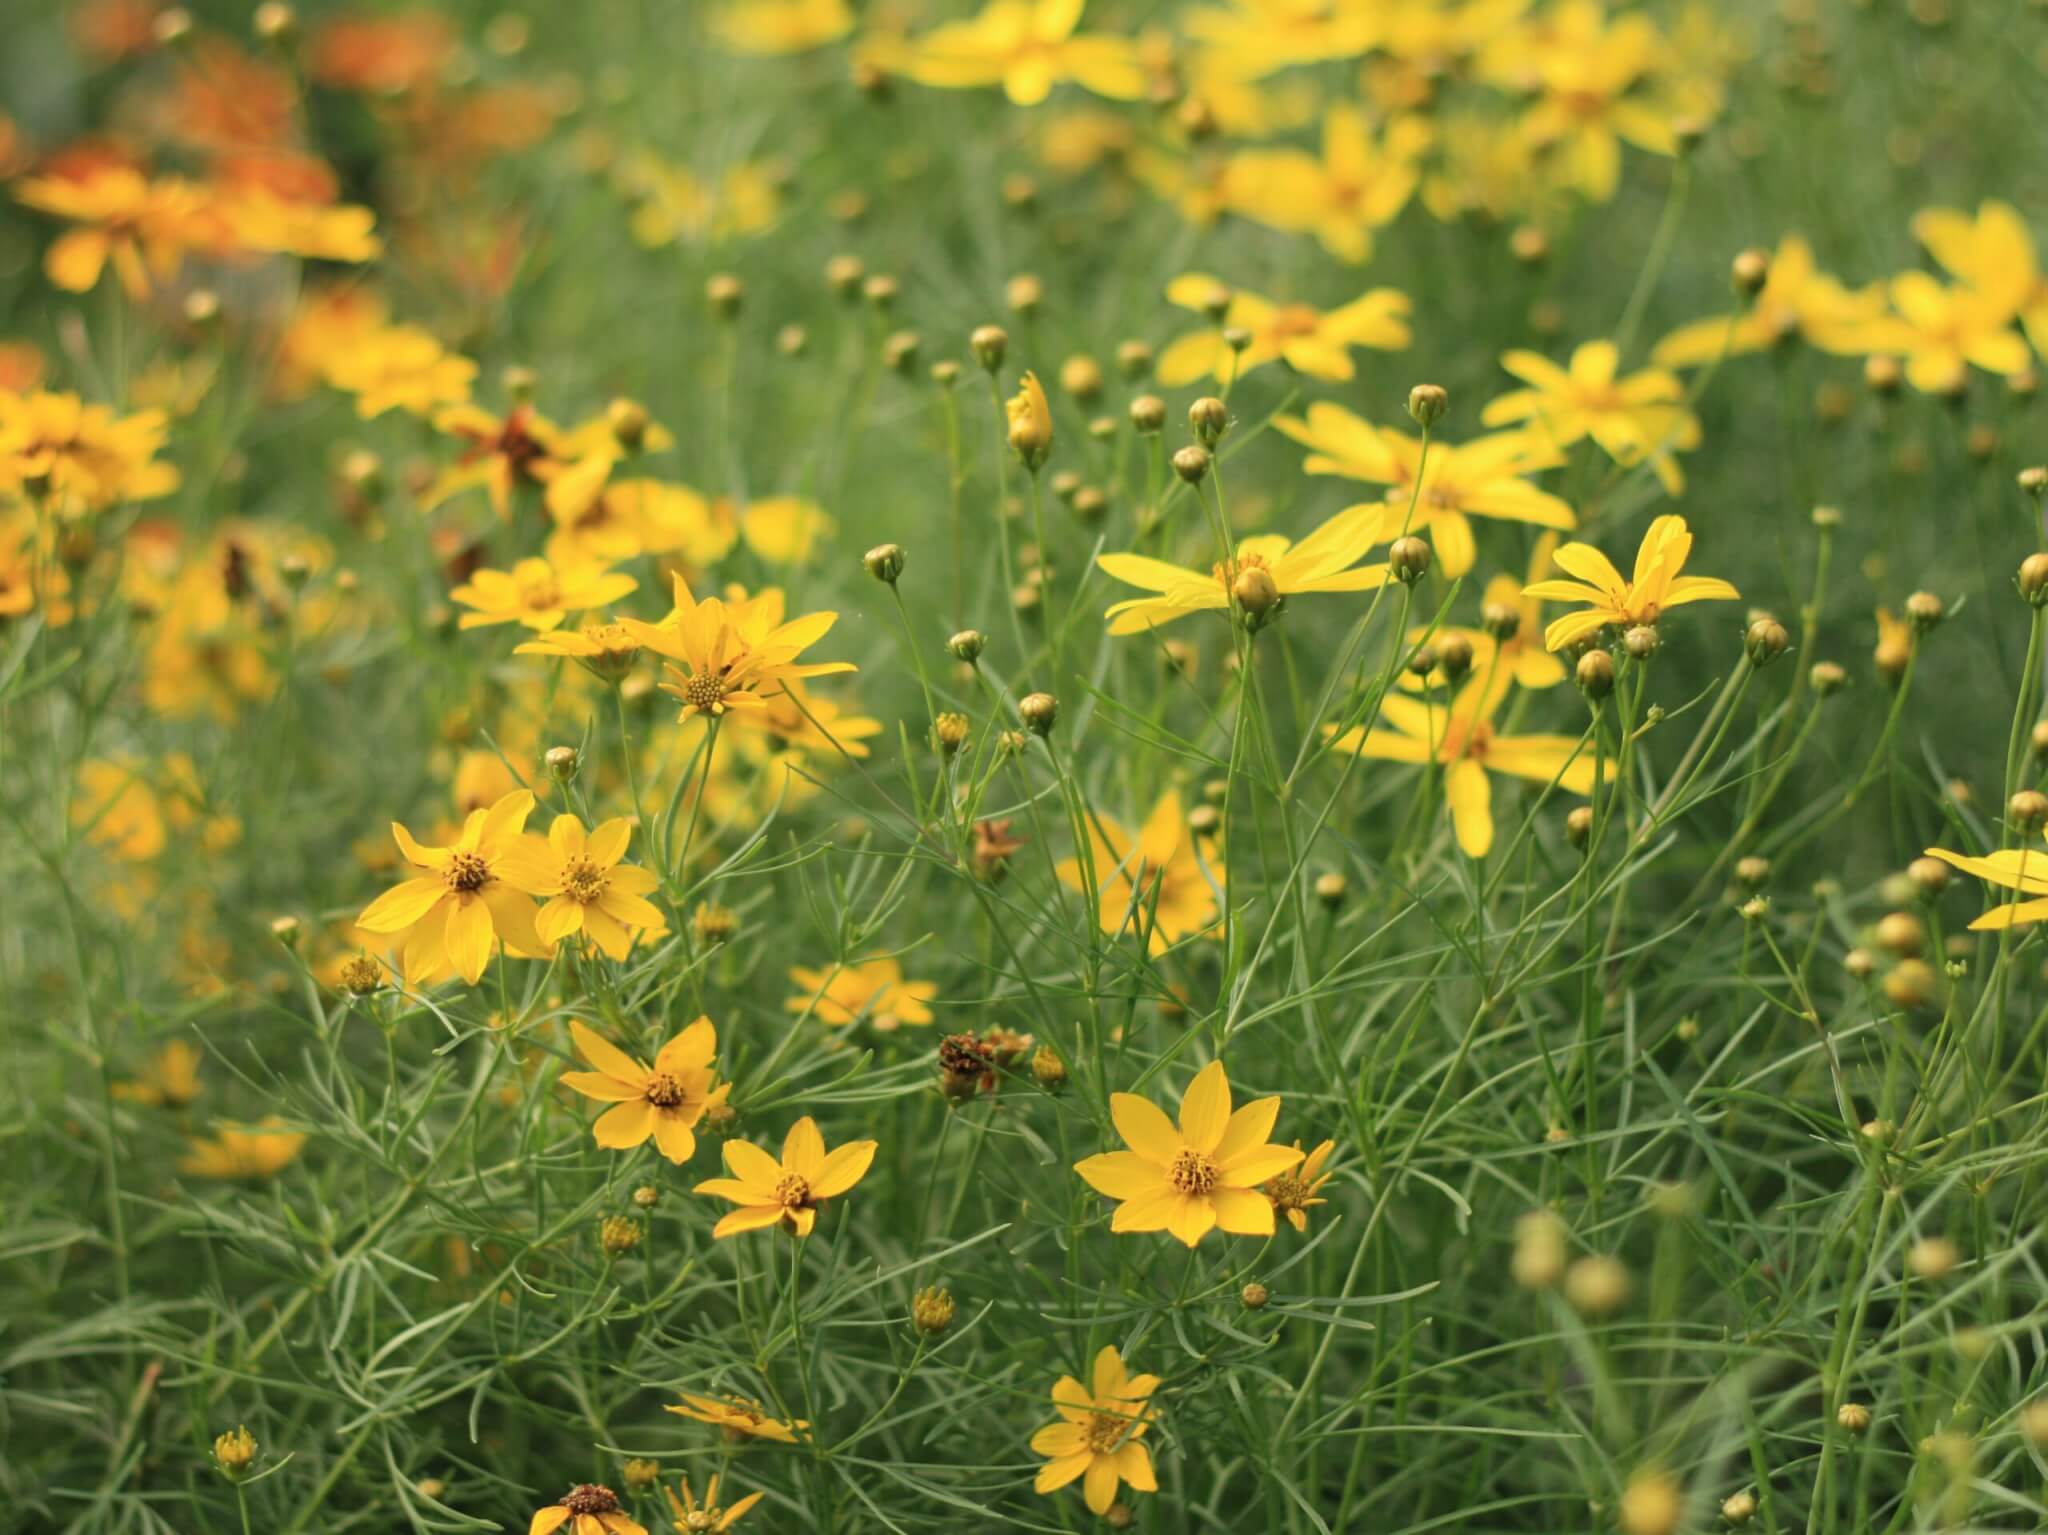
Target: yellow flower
[257, 219]
[606, 651]
[1639, 417]
[786, 1192]
[673, 204]
[1325, 561]
[1520, 657]
[1942, 332]
[781, 26]
[1588, 75]
[740, 1418]
[736, 655]
[2021, 870]
[537, 594]
[1027, 47]
[694, 1518]
[462, 906]
[1030, 417]
[1251, 39]
[1797, 299]
[674, 519]
[1481, 478]
[81, 458]
[784, 530]
[170, 1080]
[501, 453]
[584, 886]
[664, 1102]
[1994, 254]
[1358, 185]
[1098, 1438]
[142, 227]
[400, 367]
[30, 576]
[1203, 1175]
[586, 1510]
[1295, 1193]
[1307, 339]
[118, 810]
[1896, 640]
[872, 990]
[1463, 740]
[1160, 882]
[260, 1150]
[1655, 587]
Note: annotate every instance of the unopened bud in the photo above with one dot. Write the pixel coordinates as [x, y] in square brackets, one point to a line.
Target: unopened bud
[967, 645]
[1208, 419]
[1427, 404]
[1826, 677]
[2033, 579]
[1409, 559]
[725, 293]
[843, 276]
[1764, 641]
[1750, 270]
[1024, 293]
[931, 1310]
[1595, 674]
[884, 562]
[1738, 1508]
[1133, 360]
[1640, 642]
[1924, 610]
[618, 1235]
[1040, 711]
[1578, 826]
[713, 923]
[1148, 413]
[1047, 1068]
[1191, 463]
[274, 22]
[880, 291]
[563, 763]
[950, 732]
[1454, 657]
[1081, 377]
[1257, 593]
[2034, 481]
[234, 1453]
[1331, 889]
[1254, 1296]
[1502, 620]
[1852, 1417]
[2027, 809]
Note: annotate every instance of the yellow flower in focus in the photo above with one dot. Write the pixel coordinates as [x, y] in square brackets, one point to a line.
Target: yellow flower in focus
[81, 458]
[872, 991]
[142, 228]
[734, 655]
[1098, 1438]
[236, 1152]
[1655, 587]
[537, 594]
[1027, 47]
[694, 1518]
[1030, 418]
[1481, 478]
[1642, 416]
[1325, 561]
[664, 1102]
[170, 1080]
[740, 1418]
[1462, 739]
[585, 1510]
[1295, 1193]
[1203, 1175]
[781, 26]
[584, 886]
[462, 906]
[785, 1192]
[1307, 339]
[1361, 181]
[1797, 299]
[1161, 883]
[2024, 871]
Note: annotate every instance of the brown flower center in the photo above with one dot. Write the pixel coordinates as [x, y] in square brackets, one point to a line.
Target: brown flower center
[793, 1193]
[1105, 1431]
[663, 1091]
[466, 872]
[1192, 1173]
[1289, 1192]
[583, 881]
[590, 1499]
[540, 593]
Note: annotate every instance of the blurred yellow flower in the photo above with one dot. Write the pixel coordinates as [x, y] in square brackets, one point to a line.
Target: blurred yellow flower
[740, 1418]
[1030, 418]
[81, 458]
[1643, 598]
[170, 1080]
[1797, 299]
[1359, 183]
[1307, 339]
[1589, 71]
[784, 530]
[785, 1192]
[1098, 1438]
[142, 228]
[1941, 332]
[871, 991]
[400, 367]
[1325, 561]
[253, 1151]
[1027, 47]
[780, 26]
[1642, 416]
[537, 594]
[1162, 883]
[1521, 656]
[1251, 39]
[1993, 254]
[663, 1103]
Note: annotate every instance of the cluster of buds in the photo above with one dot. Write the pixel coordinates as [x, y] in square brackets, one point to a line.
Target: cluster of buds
[970, 1064]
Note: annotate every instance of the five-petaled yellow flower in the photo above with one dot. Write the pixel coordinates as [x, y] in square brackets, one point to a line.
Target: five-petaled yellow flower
[586, 1509]
[1325, 561]
[1307, 339]
[1637, 418]
[785, 1192]
[706, 1518]
[1161, 883]
[1027, 47]
[1203, 1175]
[733, 655]
[1098, 1438]
[463, 905]
[740, 1418]
[663, 1102]
[2023, 871]
[537, 594]
[1644, 598]
[586, 888]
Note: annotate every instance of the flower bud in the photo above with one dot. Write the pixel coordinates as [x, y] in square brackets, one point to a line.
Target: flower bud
[1826, 677]
[171, 26]
[1208, 419]
[1254, 1296]
[1578, 826]
[1090, 504]
[639, 1474]
[1595, 674]
[1024, 293]
[286, 931]
[2034, 481]
[1422, 660]
[2037, 739]
[1755, 909]
[1932, 1258]
[1409, 558]
[274, 22]
[618, 1235]
[2033, 579]
[1909, 984]
[1540, 1251]
[1597, 1285]
[1454, 657]
[1764, 641]
[1133, 360]
[1081, 377]
[2027, 809]
[945, 373]
[1852, 1417]
[1427, 404]
[1640, 642]
[1237, 337]
[1752, 871]
[967, 645]
[1148, 413]
[899, 351]
[646, 1196]
[1331, 889]
[1529, 245]
[714, 924]
[563, 763]
[1924, 610]
[1030, 423]
[931, 1310]
[361, 975]
[950, 732]
[1256, 592]
[1738, 1508]
[235, 1452]
[843, 276]
[880, 291]
[884, 562]
[1860, 963]
[1204, 820]
[1651, 1504]
[1040, 711]
[1191, 463]
[1883, 375]
[1216, 302]
[725, 293]
[1751, 269]
[1048, 1069]
[1502, 620]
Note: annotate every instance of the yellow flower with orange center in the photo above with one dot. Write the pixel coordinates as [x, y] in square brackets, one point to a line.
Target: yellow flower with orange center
[584, 886]
[871, 991]
[537, 594]
[1656, 586]
[1161, 883]
[733, 655]
[785, 1191]
[662, 1102]
[1325, 561]
[1098, 1439]
[461, 906]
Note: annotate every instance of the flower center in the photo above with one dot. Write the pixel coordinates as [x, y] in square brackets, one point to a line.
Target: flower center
[466, 872]
[1105, 1431]
[1192, 1173]
[583, 881]
[663, 1091]
[703, 1519]
[1291, 320]
[1289, 1192]
[589, 1499]
[706, 691]
[793, 1193]
[1226, 573]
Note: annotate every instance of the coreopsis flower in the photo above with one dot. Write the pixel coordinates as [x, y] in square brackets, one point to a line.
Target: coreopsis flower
[1481, 478]
[706, 1518]
[606, 651]
[1325, 561]
[1295, 1192]
[785, 530]
[1994, 254]
[740, 1418]
[872, 991]
[781, 26]
[1161, 882]
[663, 1102]
[584, 887]
[234, 1152]
[674, 204]
[400, 367]
[1942, 331]
[1250, 39]
[254, 218]
[538, 595]
[1307, 339]
[1797, 299]
[170, 1080]
[2021, 870]
[118, 809]
[81, 458]
[1587, 70]
[1637, 418]
[142, 228]
[1655, 587]
[1030, 418]
[734, 655]
[785, 1192]
[460, 906]
[1356, 186]
[586, 1510]
[500, 453]
[1098, 1439]
[1203, 1175]
[1027, 47]
[1462, 739]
